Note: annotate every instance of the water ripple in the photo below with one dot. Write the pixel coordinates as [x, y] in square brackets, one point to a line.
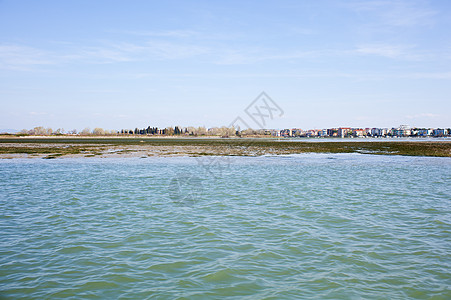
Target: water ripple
[305, 226]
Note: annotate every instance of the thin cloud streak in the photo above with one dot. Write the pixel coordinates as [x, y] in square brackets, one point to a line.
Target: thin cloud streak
[14, 57]
[162, 33]
[17, 57]
[386, 50]
[399, 13]
[20, 57]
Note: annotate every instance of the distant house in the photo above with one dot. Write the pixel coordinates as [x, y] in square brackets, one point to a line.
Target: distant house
[358, 132]
[332, 132]
[312, 132]
[272, 132]
[423, 132]
[439, 132]
[297, 132]
[344, 131]
[322, 132]
[398, 132]
[402, 130]
[378, 131]
[286, 132]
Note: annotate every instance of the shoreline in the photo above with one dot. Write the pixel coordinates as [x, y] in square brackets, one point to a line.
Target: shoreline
[210, 137]
[60, 147]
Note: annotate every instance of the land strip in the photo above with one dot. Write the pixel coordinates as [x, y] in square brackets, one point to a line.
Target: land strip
[39, 147]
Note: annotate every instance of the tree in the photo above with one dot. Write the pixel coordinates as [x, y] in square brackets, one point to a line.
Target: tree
[86, 131]
[98, 131]
[191, 130]
[248, 131]
[38, 131]
[58, 131]
[201, 130]
[169, 131]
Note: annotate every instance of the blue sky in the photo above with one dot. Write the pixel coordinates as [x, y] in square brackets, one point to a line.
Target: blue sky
[126, 64]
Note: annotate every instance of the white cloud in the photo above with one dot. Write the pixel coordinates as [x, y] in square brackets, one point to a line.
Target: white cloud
[169, 50]
[250, 56]
[385, 50]
[18, 57]
[436, 75]
[21, 58]
[397, 12]
[102, 55]
[164, 33]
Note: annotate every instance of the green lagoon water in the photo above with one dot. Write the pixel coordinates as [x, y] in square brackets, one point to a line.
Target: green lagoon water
[341, 226]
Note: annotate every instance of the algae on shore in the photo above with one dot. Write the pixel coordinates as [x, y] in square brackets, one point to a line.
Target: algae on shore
[114, 147]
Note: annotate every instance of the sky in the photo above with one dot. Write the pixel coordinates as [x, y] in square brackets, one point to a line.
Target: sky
[126, 64]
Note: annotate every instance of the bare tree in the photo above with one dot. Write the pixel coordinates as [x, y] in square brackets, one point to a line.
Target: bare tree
[201, 130]
[248, 131]
[191, 130]
[214, 131]
[98, 131]
[40, 131]
[86, 131]
[58, 131]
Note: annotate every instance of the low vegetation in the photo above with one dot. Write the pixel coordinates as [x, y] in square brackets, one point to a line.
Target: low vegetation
[56, 147]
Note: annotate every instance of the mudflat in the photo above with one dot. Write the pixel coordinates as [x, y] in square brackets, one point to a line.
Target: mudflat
[54, 147]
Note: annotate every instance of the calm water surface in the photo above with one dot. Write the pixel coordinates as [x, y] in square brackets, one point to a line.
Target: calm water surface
[303, 226]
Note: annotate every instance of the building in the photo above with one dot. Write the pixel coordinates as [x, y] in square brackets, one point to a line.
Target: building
[421, 132]
[378, 131]
[312, 133]
[344, 131]
[286, 132]
[297, 132]
[322, 132]
[439, 132]
[358, 132]
[272, 132]
[332, 132]
[402, 130]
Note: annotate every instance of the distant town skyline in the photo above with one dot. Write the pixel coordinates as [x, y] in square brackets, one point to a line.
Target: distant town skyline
[234, 131]
[78, 64]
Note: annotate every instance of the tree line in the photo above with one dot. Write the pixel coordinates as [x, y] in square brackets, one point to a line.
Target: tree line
[151, 131]
[177, 130]
[40, 130]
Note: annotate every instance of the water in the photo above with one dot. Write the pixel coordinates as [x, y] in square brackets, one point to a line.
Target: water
[319, 226]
